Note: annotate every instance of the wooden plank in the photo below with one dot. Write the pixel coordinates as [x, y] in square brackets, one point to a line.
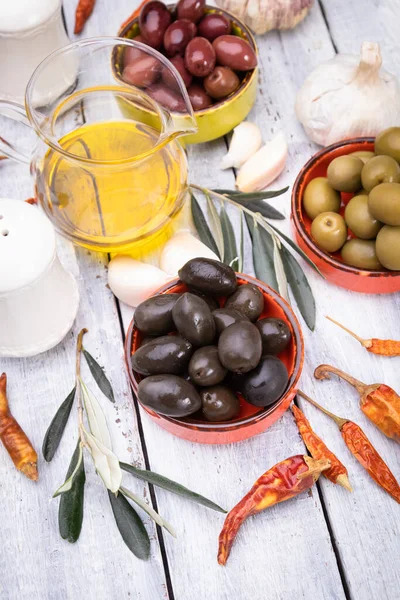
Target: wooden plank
[367, 520]
[99, 565]
[259, 560]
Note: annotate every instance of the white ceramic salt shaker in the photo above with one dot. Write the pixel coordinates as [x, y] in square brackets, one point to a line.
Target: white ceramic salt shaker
[30, 30]
[38, 298]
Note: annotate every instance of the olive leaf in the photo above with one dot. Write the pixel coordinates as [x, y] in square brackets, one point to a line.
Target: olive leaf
[202, 227]
[57, 426]
[297, 249]
[105, 461]
[149, 510]
[70, 511]
[99, 375]
[248, 196]
[263, 253]
[279, 270]
[216, 228]
[96, 417]
[170, 486]
[241, 246]
[130, 526]
[230, 249]
[300, 287]
[68, 483]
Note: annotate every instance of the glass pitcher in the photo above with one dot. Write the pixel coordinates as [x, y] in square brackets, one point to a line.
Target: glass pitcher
[108, 169]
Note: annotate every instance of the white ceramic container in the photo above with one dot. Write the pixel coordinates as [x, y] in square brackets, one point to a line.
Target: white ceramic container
[30, 30]
[38, 297]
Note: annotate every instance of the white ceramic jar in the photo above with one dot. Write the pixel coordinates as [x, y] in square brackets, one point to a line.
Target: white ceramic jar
[38, 298]
[30, 30]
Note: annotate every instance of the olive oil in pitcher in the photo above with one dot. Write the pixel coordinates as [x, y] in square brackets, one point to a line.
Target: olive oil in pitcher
[111, 187]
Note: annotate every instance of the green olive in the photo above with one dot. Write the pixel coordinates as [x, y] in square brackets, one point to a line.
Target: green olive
[320, 197]
[384, 203]
[388, 142]
[360, 220]
[329, 231]
[364, 155]
[344, 173]
[388, 247]
[361, 254]
[380, 169]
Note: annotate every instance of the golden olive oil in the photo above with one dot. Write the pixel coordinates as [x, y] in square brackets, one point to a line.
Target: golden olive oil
[117, 189]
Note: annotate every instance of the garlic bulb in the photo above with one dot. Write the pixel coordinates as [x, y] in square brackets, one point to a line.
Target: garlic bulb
[181, 248]
[245, 142]
[264, 15]
[348, 97]
[132, 281]
[264, 166]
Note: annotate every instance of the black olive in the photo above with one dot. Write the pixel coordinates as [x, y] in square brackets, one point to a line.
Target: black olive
[212, 302]
[275, 335]
[154, 315]
[239, 347]
[247, 300]
[219, 403]
[205, 367]
[193, 320]
[224, 317]
[266, 383]
[169, 395]
[208, 276]
[165, 354]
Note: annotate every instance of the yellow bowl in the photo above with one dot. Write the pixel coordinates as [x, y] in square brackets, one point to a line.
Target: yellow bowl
[222, 117]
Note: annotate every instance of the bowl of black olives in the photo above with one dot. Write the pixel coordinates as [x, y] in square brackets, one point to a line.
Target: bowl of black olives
[214, 356]
[213, 51]
[346, 212]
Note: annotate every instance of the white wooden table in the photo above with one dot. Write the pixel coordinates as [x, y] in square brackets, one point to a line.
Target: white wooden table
[327, 544]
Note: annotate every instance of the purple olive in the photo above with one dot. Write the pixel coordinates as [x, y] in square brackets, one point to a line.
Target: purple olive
[191, 9]
[142, 72]
[131, 54]
[214, 25]
[199, 57]
[235, 53]
[169, 78]
[198, 97]
[221, 82]
[167, 97]
[154, 20]
[178, 35]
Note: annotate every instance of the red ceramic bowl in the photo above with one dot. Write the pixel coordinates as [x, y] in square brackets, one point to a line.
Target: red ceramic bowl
[252, 419]
[331, 265]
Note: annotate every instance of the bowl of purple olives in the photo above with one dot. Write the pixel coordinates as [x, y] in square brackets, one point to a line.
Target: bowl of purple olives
[214, 356]
[214, 53]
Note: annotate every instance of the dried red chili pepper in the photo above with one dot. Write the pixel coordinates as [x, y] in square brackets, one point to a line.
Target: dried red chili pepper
[337, 472]
[379, 402]
[14, 438]
[282, 482]
[360, 446]
[31, 201]
[374, 345]
[82, 13]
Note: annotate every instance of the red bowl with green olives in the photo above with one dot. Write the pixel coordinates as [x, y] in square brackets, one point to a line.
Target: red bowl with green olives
[331, 264]
[249, 419]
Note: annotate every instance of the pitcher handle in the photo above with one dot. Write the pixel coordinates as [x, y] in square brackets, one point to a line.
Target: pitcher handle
[16, 112]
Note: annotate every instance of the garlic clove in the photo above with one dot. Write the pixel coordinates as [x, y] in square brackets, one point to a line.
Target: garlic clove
[264, 166]
[132, 281]
[246, 140]
[181, 248]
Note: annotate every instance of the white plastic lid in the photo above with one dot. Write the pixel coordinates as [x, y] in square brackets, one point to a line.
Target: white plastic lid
[21, 15]
[27, 244]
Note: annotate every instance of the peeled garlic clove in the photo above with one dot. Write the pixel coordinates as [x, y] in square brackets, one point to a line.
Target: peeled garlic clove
[246, 140]
[264, 166]
[132, 281]
[181, 248]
